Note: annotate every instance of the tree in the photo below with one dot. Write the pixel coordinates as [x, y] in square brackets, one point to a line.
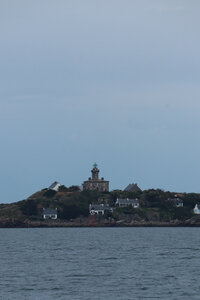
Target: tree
[29, 208]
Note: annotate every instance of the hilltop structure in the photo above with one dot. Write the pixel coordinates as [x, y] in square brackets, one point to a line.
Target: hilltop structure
[132, 187]
[94, 183]
[54, 186]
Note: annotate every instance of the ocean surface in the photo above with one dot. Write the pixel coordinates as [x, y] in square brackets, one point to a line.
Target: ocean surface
[100, 263]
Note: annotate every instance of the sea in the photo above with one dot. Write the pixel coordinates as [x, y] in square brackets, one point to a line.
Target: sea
[99, 263]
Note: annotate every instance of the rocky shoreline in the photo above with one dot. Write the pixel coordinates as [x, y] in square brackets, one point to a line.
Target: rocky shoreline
[100, 222]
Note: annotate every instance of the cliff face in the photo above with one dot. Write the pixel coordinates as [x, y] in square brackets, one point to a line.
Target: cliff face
[155, 209]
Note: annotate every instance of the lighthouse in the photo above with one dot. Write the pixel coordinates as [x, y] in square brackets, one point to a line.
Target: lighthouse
[94, 183]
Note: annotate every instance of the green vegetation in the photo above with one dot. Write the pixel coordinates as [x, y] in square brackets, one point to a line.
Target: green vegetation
[72, 203]
[29, 208]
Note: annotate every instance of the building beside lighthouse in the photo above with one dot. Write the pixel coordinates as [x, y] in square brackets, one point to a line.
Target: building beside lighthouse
[94, 183]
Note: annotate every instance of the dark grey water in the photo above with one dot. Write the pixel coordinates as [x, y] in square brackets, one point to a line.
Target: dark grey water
[100, 263]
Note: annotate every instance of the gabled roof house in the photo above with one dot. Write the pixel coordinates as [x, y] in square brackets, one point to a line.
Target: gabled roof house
[196, 209]
[127, 202]
[49, 213]
[99, 209]
[54, 186]
[132, 187]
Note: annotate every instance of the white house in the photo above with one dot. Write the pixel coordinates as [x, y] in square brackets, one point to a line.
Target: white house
[196, 209]
[49, 213]
[127, 202]
[54, 186]
[99, 209]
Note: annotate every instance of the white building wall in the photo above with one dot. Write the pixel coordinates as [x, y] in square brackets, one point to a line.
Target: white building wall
[56, 188]
[196, 210]
[53, 217]
[97, 212]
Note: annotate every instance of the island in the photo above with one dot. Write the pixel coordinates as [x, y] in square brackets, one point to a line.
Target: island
[61, 206]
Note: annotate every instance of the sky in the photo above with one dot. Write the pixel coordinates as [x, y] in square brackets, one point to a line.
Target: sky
[113, 82]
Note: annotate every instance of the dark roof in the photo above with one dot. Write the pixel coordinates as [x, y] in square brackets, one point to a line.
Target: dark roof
[99, 207]
[176, 200]
[127, 201]
[53, 185]
[132, 187]
[49, 211]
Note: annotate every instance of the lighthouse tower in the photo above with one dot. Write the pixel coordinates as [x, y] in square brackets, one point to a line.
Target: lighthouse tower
[94, 183]
[95, 172]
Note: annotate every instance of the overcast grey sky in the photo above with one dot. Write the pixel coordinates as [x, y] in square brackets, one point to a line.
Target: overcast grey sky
[113, 82]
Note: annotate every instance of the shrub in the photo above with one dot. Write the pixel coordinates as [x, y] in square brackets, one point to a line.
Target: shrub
[50, 193]
[72, 211]
[182, 213]
[29, 208]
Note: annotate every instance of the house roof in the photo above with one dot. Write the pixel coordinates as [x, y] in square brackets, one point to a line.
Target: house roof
[132, 187]
[99, 207]
[127, 201]
[176, 200]
[53, 185]
[49, 211]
